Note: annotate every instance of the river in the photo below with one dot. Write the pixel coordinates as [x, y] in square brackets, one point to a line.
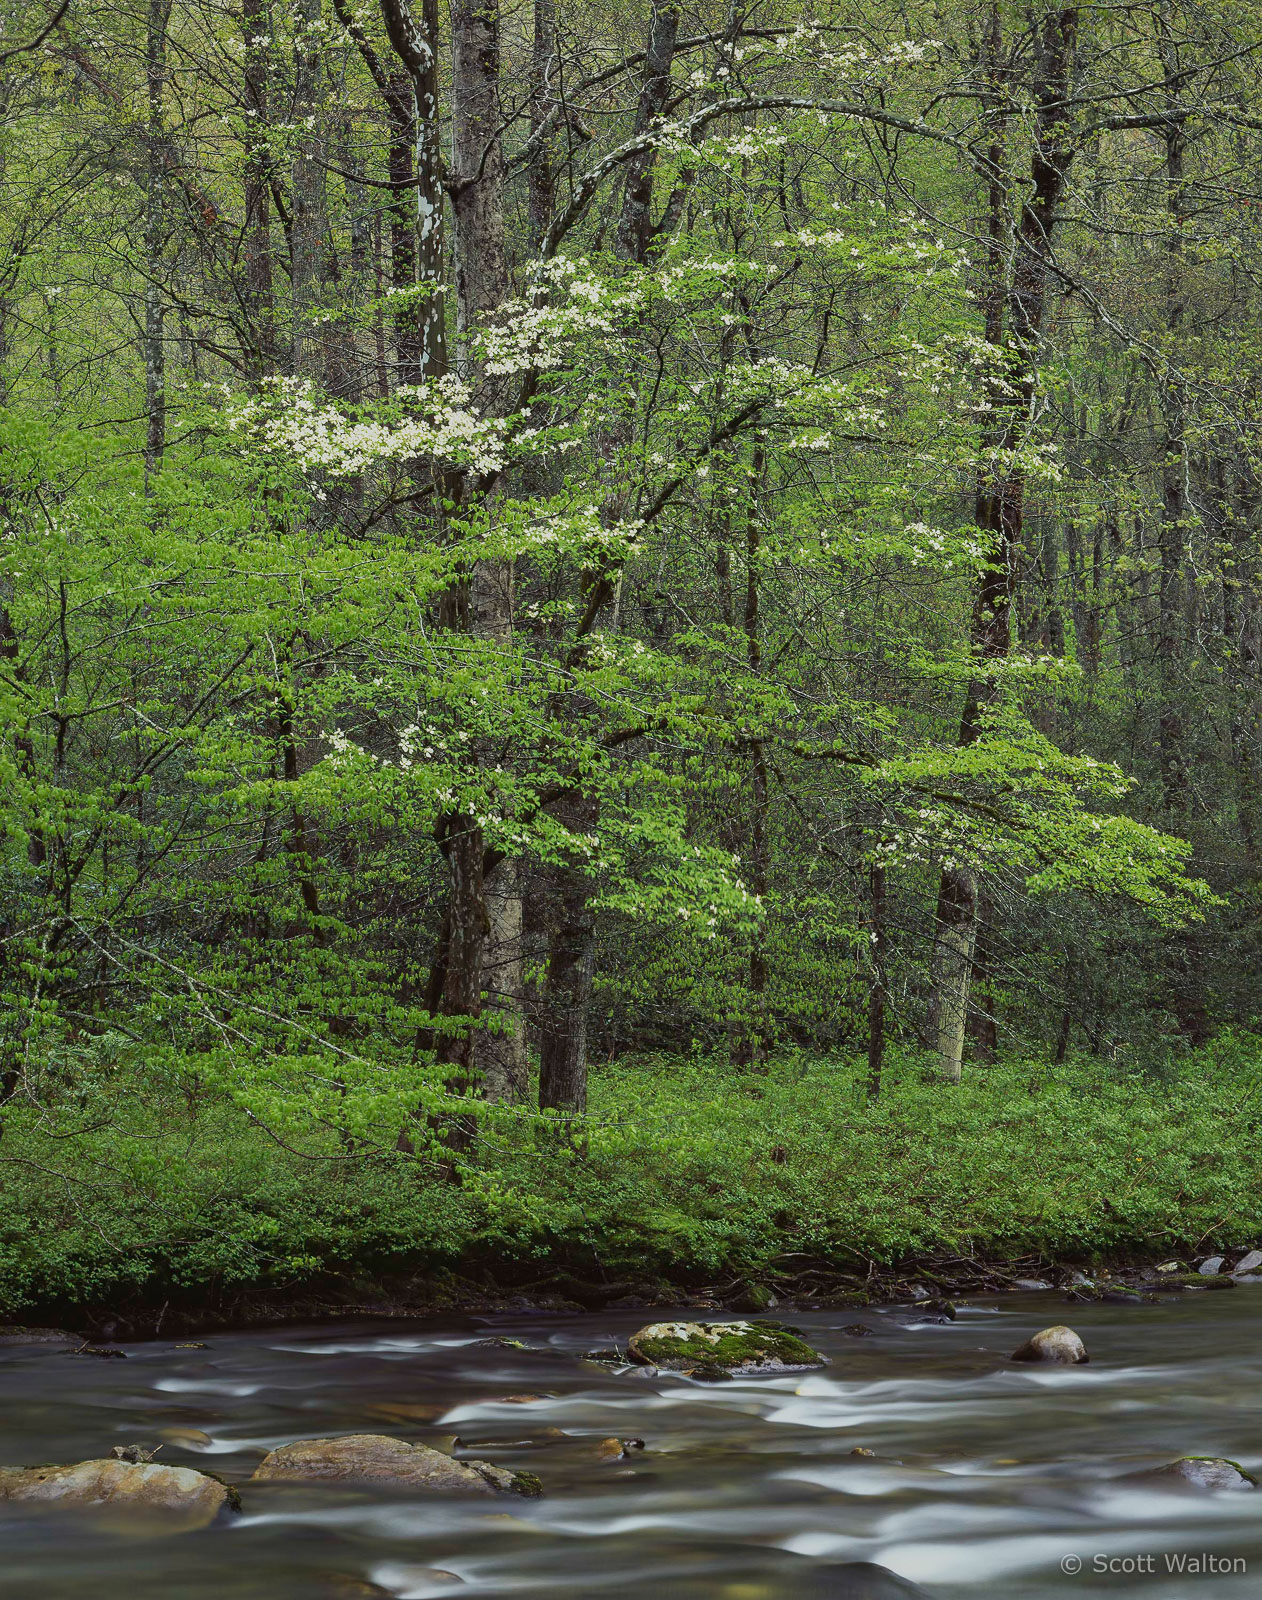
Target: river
[986, 1477]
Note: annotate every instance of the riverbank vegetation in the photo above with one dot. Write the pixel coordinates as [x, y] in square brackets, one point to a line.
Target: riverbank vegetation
[142, 1197]
[629, 636]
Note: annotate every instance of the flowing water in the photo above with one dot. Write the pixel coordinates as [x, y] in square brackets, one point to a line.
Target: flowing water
[986, 1477]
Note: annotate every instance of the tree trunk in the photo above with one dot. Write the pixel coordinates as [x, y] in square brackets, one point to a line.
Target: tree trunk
[1000, 500]
[258, 296]
[308, 221]
[880, 980]
[571, 966]
[754, 1045]
[155, 185]
[572, 942]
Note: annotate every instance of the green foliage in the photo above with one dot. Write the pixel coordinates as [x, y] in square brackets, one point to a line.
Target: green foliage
[691, 1174]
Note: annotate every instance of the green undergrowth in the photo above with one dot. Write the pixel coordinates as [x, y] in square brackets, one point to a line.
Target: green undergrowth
[690, 1174]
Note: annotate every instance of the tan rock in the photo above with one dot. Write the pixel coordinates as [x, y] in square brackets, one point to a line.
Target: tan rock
[179, 1497]
[370, 1458]
[1059, 1345]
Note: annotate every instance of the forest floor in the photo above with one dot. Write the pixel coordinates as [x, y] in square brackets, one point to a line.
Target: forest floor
[143, 1212]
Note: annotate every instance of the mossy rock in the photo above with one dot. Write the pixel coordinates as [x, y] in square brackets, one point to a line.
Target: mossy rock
[711, 1348]
[1212, 1473]
[1194, 1280]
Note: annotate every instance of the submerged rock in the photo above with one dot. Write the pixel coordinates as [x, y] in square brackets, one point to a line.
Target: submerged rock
[618, 1449]
[708, 1349]
[180, 1497]
[854, 1580]
[1213, 1473]
[1059, 1345]
[376, 1458]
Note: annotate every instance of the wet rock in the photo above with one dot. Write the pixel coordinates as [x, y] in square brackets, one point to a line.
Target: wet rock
[102, 1352]
[179, 1498]
[1197, 1280]
[138, 1453]
[704, 1349]
[1060, 1346]
[618, 1449]
[605, 1358]
[499, 1342]
[1031, 1284]
[372, 1458]
[1211, 1267]
[13, 1333]
[1249, 1263]
[1211, 1473]
[192, 1344]
[854, 1580]
[858, 1330]
[506, 1481]
[343, 1586]
[522, 1399]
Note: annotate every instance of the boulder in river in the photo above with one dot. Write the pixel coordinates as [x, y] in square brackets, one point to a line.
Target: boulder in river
[1060, 1346]
[1214, 1473]
[363, 1459]
[1249, 1263]
[179, 1498]
[853, 1580]
[722, 1347]
[1211, 1267]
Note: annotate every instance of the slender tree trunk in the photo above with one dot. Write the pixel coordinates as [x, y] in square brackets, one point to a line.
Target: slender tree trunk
[572, 942]
[155, 230]
[754, 1045]
[1000, 503]
[543, 68]
[308, 220]
[879, 988]
[259, 294]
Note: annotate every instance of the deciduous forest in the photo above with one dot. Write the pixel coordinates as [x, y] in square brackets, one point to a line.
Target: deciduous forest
[630, 642]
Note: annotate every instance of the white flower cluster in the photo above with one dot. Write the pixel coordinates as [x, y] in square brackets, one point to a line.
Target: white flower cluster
[437, 425]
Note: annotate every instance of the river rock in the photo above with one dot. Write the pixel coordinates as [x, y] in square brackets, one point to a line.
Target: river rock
[1059, 1345]
[1211, 1267]
[1031, 1285]
[854, 1580]
[376, 1458]
[1213, 1473]
[1249, 1263]
[179, 1497]
[722, 1348]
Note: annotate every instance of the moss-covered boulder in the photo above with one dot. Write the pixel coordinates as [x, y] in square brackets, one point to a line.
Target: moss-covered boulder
[376, 1459]
[722, 1347]
[175, 1499]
